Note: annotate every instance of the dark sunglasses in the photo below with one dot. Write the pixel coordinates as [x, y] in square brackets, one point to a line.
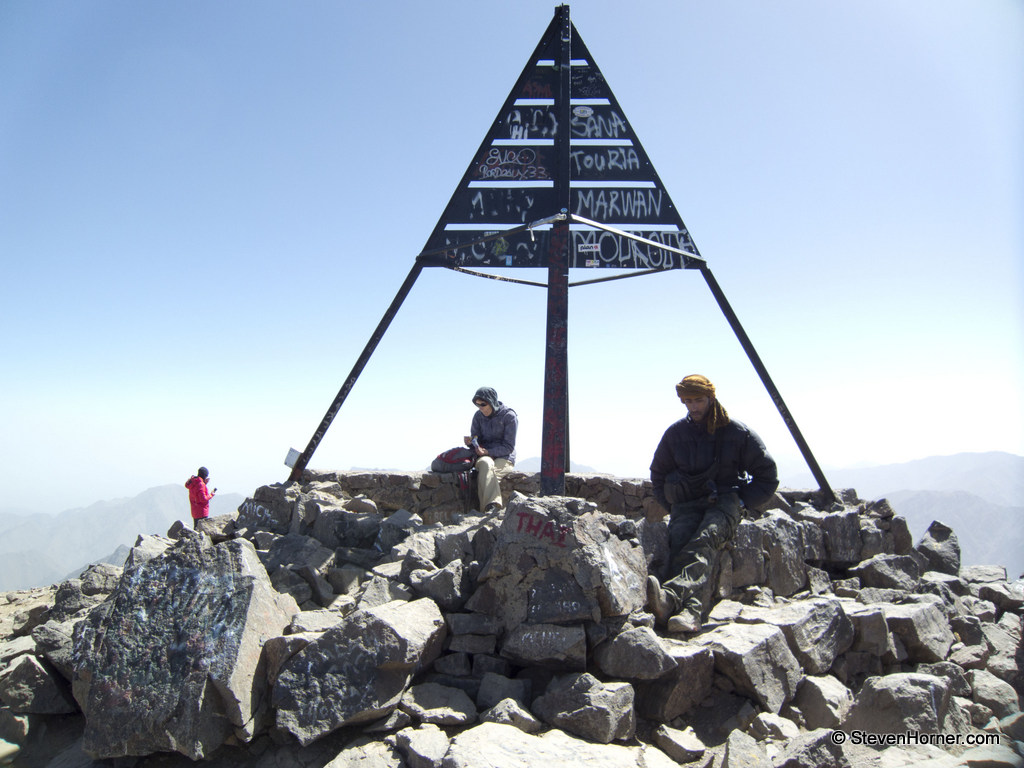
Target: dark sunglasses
[481, 405]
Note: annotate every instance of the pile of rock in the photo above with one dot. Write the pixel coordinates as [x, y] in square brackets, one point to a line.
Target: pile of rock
[326, 623]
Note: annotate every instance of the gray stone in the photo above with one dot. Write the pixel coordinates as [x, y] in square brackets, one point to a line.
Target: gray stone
[439, 705]
[996, 694]
[495, 688]
[816, 630]
[172, 661]
[456, 664]
[511, 712]
[1013, 726]
[767, 726]
[1004, 596]
[442, 585]
[982, 573]
[742, 751]
[472, 624]
[548, 645]
[958, 684]
[494, 744]
[54, 640]
[757, 659]
[422, 747]
[889, 572]
[784, 552]
[816, 749]
[294, 551]
[682, 689]
[474, 644]
[635, 654]
[314, 621]
[288, 582]
[380, 590]
[357, 671]
[824, 701]
[101, 578]
[902, 539]
[842, 538]
[586, 707]
[923, 629]
[28, 687]
[542, 535]
[682, 746]
[940, 549]
[270, 509]
[871, 632]
[15, 647]
[903, 702]
[366, 752]
[998, 756]
[146, 548]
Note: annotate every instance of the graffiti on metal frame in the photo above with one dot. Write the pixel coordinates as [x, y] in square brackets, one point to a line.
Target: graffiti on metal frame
[513, 179]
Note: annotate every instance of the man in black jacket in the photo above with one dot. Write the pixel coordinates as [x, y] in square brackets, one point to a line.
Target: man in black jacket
[706, 469]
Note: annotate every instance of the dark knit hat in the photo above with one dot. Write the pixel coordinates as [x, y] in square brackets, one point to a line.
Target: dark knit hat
[204, 473]
[488, 395]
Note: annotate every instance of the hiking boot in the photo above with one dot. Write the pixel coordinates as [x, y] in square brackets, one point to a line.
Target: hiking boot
[492, 507]
[685, 623]
[659, 601]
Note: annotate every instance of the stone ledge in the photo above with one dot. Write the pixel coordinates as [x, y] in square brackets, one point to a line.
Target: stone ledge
[436, 497]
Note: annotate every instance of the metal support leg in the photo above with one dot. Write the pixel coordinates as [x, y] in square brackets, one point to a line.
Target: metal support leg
[787, 417]
[371, 345]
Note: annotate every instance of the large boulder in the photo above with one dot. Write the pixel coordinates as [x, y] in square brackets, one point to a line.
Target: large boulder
[940, 549]
[583, 705]
[817, 630]
[358, 670]
[559, 560]
[904, 702]
[681, 689]
[923, 628]
[172, 660]
[756, 657]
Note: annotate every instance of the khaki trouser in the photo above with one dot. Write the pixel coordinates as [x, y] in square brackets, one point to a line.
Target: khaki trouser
[488, 470]
[697, 531]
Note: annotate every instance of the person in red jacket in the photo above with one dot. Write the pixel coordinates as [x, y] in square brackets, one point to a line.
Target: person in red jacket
[199, 495]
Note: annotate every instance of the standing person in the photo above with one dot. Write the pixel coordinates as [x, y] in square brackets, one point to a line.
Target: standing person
[493, 437]
[199, 495]
[706, 469]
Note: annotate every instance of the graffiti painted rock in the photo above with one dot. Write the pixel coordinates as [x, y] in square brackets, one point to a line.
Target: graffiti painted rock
[171, 662]
[357, 671]
[560, 559]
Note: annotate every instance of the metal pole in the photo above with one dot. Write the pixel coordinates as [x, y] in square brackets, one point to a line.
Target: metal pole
[371, 345]
[553, 455]
[787, 417]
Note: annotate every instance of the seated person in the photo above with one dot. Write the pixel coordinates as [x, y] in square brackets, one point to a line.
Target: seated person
[493, 438]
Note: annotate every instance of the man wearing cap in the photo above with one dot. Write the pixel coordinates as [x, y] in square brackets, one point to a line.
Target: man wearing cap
[493, 437]
[199, 495]
[706, 469]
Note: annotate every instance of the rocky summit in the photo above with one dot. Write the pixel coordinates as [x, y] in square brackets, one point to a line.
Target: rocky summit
[377, 619]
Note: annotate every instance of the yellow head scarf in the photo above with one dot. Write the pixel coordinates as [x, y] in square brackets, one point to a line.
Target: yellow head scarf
[700, 386]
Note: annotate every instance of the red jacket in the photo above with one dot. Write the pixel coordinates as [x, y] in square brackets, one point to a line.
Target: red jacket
[199, 497]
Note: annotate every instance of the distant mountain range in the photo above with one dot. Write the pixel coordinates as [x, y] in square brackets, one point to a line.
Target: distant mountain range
[37, 550]
[979, 495]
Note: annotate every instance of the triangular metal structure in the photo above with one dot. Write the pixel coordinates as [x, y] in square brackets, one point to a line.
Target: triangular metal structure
[560, 181]
[561, 146]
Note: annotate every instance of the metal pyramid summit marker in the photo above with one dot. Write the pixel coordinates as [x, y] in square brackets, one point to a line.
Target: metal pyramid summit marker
[560, 181]
[561, 146]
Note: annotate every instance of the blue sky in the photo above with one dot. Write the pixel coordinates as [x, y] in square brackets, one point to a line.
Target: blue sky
[205, 209]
